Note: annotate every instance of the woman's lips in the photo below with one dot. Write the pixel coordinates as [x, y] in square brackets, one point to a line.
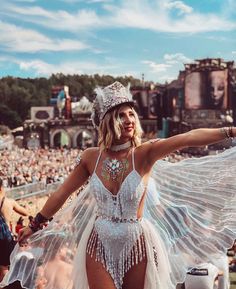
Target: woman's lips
[130, 128]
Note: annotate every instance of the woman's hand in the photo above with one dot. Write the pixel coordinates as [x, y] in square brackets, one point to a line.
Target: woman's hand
[24, 234]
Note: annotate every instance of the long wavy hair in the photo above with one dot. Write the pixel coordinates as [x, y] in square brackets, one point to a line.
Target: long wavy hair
[110, 129]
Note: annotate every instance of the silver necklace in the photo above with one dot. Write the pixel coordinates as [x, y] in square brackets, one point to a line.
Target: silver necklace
[117, 148]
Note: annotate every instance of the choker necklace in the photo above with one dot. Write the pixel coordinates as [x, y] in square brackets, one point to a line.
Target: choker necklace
[117, 148]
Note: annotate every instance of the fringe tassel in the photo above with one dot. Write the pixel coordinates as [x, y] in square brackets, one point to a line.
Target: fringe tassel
[132, 253]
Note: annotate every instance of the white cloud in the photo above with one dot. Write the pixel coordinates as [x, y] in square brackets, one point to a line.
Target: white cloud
[180, 6]
[87, 1]
[17, 39]
[156, 67]
[176, 58]
[140, 14]
[39, 67]
[58, 20]
[29, 1]
[99, 1]
[233, 52]
[166, 71]
[143, 14]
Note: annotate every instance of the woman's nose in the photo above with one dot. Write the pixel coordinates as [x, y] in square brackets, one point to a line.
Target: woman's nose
[128, 119]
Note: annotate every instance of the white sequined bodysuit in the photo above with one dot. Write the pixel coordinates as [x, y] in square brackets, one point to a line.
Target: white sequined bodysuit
[117, 238]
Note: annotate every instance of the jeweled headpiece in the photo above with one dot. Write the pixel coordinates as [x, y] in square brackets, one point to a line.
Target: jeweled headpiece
[108, 98]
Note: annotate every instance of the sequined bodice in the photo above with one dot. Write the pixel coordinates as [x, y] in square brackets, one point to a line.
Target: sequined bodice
[123, 205]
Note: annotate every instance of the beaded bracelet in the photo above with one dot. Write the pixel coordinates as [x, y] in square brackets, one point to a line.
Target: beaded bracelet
[38, 222]
[225, 132]
[231, 134]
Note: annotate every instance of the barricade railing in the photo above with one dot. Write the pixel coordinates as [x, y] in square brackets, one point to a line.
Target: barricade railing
[6, 144]
[30, 190]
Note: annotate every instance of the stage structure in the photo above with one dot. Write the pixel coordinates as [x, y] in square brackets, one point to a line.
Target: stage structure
[202, 96]
[149, 105]
[63, 124]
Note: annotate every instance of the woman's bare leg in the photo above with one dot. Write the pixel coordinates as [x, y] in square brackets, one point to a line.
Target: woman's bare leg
[135, 277]
[3, 271]
[98, 277]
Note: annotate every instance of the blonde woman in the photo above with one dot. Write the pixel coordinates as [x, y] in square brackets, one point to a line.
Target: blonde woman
[120, 235]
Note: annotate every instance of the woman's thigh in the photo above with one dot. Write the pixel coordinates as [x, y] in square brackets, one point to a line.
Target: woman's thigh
[135, 277]
[98, 277]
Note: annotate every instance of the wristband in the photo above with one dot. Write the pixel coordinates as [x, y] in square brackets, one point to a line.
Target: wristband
[37, 222]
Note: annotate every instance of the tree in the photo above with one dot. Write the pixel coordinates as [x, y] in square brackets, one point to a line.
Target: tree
[9, 117]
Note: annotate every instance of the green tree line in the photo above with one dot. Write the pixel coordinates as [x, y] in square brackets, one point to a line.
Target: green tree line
[17, 95]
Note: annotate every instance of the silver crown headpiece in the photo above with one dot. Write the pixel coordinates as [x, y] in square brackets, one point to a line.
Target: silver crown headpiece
[108, 98]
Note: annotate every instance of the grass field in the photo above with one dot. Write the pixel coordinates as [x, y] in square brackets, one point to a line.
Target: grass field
[232, 277]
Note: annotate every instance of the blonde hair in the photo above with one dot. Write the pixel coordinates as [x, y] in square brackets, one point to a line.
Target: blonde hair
[110, 129]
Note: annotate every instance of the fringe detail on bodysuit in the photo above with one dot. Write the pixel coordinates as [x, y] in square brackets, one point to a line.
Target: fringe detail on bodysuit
[132, 253]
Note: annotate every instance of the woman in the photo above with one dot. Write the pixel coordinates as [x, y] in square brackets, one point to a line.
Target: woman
[19, 225]
[7, 243]
[120, 235]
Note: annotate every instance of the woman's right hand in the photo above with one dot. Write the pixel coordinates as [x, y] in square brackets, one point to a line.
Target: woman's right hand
[24, 234]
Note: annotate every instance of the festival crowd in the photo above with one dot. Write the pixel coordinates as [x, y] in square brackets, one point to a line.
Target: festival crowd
[21, 166]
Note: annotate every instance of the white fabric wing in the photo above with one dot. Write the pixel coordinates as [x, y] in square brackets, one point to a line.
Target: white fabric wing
[50, 255]
[195, 215]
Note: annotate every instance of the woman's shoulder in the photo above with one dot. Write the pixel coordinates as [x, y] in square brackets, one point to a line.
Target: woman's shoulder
[91, 150]
[89, 153]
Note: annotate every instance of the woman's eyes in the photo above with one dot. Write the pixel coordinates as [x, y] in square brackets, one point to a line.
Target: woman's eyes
[122, 115]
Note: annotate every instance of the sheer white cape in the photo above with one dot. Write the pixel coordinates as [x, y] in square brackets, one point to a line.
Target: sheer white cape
[189, 217]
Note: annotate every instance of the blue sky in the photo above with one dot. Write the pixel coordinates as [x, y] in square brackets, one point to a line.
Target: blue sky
[127, 37]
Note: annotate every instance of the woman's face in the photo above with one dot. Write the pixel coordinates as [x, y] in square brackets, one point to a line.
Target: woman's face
[217, 90]
[127, 119]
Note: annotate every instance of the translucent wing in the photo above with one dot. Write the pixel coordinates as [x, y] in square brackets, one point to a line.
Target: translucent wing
[196, 210]
[54, 248]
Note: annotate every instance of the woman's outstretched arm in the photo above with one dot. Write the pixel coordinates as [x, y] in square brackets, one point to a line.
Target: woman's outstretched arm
[75, 180]
[194, 138]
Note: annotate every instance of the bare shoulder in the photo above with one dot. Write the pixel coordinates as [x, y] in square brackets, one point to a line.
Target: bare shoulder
[90, 153]
[89, 157]
[8, 203]
[141, 155]
[8, 200]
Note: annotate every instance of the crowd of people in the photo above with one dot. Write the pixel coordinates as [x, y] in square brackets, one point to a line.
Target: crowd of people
[21, 166]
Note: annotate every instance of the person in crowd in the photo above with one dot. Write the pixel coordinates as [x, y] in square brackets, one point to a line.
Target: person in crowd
[204, 276]
[7, 207]
[31, 219]
[113, 225]
[19, 225]
[232, 258]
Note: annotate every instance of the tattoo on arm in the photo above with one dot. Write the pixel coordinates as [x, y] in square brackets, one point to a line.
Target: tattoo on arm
[154, 140]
